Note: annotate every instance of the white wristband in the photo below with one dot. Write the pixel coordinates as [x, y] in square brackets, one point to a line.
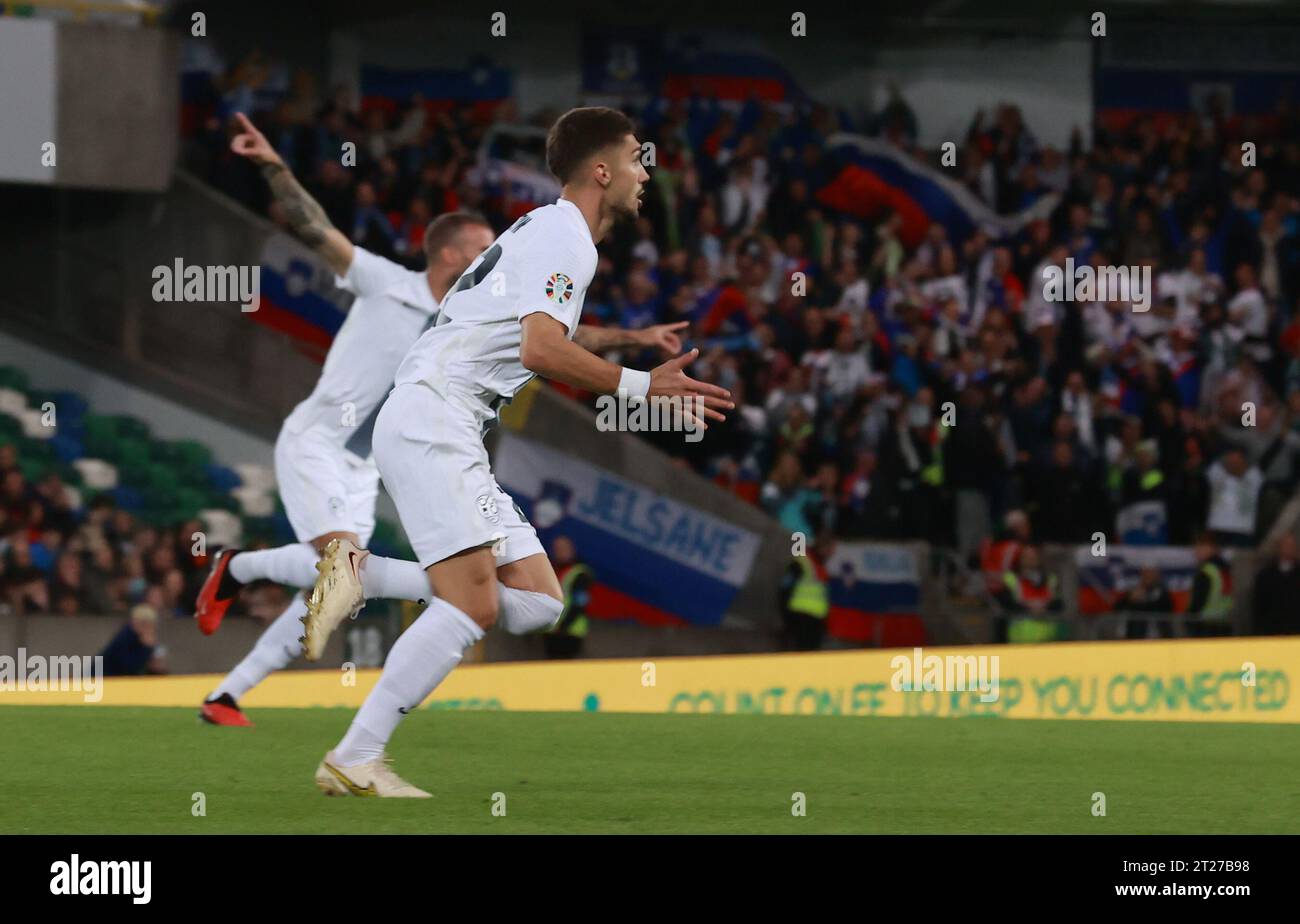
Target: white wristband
[633, 383]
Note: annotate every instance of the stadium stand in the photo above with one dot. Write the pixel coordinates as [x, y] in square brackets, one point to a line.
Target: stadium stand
[1093, 417]
[97, 515]
[849, 320]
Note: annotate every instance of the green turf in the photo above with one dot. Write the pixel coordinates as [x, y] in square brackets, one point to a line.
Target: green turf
[106, 770]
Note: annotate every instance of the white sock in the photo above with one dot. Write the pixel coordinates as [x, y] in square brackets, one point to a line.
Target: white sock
[395, 579]
[294, 565]
[276, 647]
[422, 656]
[525, 611]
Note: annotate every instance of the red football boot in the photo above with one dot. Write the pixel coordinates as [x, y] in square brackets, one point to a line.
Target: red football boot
[217, 593]
[223, 711]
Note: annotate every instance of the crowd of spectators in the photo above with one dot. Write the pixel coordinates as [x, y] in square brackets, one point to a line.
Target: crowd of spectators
[54, 559]
[1086, 416]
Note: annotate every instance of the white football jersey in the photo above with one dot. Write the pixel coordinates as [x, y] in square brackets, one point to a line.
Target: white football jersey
[543, 262]
[393, 306]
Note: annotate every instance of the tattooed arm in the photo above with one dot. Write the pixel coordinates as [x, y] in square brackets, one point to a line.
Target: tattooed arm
[304, 214]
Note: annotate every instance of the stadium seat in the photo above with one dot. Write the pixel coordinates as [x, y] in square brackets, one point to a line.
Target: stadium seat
[127, 498]
[132, 458]
[129, 427]
[222, 479]
[33, 469]
[222, 527]
[68, 449]
[258, 477]
[33, 421]
[254, 502]
[97, 474]
[12, 402]
[15, 379]
[71, 407]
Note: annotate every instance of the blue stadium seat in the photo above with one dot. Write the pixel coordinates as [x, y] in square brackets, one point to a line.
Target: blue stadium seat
[67, 448]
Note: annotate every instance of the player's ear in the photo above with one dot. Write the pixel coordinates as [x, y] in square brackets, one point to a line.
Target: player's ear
[600, 170]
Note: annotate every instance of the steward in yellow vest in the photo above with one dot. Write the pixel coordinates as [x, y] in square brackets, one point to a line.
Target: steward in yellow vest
[1211, 590]
[565, 638]
[806, 599]
[1027, 595]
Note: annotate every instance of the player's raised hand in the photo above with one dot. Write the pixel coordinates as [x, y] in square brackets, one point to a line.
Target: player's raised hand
[670, 380]
[664, 337]
[252, 144]
[684, 412]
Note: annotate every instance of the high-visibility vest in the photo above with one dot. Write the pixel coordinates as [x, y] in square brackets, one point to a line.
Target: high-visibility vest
[1023, 592]
[1218, 602]
[577, 628]
[810, 595]
[932, 474]
[1026, 631]
[1151, 480]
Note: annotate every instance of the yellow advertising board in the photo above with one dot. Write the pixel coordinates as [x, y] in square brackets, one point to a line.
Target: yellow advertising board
[1219, 680]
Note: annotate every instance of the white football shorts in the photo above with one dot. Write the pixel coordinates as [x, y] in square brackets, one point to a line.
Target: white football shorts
[324, 488]
[430, 453]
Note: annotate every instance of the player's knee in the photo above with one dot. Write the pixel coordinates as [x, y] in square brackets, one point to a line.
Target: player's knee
[479, 600]
[483, 609]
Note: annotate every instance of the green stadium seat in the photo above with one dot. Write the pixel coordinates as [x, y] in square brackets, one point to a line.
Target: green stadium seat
[70, 476]
[193, 455]
[132, 459]
[163, 478]
[33, 469]
[101, 436]
[128, 427]
[188, 504]
[15, 379]
[35, 449]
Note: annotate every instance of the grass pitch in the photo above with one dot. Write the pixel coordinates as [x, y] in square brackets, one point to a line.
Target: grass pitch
[82, 769]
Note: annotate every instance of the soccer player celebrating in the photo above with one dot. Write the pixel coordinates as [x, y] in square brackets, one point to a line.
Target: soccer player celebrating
[327, 479]
[482, 556]
[325, 472]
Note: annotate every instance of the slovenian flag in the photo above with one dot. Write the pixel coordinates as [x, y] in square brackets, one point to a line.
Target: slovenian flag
[483, 88]
[299, 297]
[875, 592]
[729, 68]
[871, 177]
[1102, 578]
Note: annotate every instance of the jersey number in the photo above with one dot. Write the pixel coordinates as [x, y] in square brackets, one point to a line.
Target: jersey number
[480, 272]
[485, 266]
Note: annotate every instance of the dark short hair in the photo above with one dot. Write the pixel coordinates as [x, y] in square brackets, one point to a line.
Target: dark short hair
[443, 230]
[580, 133]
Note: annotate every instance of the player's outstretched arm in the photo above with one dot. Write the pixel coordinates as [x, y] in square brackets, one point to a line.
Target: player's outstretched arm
[547, 351]
[306, 218]
[603, 339]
